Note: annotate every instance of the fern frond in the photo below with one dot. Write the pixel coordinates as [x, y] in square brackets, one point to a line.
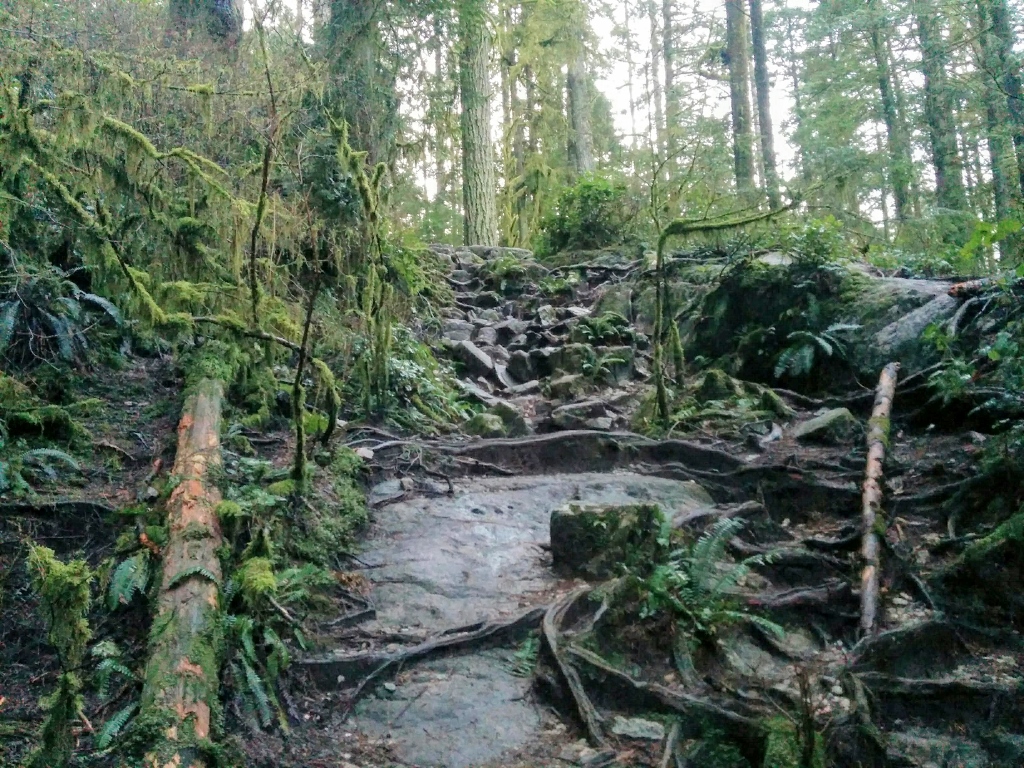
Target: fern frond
[112, 312]
[129, 578]
[41, 455]
[115, 725]
[188, 573]
[256, 689]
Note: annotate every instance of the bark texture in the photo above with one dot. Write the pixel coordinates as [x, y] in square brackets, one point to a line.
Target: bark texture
[581, 141]
[871, 498]
[181, 682]
[480, 216]
[737, 32]
[673, 106]
[939, 115]
[899, 161]
[762, 87]
[222, 19]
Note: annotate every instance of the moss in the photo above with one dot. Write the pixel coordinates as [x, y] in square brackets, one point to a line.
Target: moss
[783, 747]
[1009, 532]
[282, 487]
[217, 360]
[228, 510]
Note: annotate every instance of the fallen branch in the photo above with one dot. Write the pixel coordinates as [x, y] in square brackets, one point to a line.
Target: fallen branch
[74, 507]
[878, 437]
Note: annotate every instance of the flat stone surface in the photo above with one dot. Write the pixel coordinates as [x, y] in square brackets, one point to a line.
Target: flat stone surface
[454, 713]
[447, 561]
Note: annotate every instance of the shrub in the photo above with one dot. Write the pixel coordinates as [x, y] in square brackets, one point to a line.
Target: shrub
[593, 213]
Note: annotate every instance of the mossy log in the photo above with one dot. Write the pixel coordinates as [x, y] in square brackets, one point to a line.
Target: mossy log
[871, 498]
[181, 683]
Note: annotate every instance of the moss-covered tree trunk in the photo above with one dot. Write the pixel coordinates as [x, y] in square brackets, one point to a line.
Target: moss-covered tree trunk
[181, 684]
[222, 19]
[899, 161]
[762, 87]
[737, 32]
[581, 142]
[480, 215]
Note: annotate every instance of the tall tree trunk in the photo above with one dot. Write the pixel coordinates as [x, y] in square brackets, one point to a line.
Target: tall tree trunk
[581, 142]
[363, 87]
[762, 85]
[739, 92]
[996, 118]
[899, 160]
[1009, 76]
[798, 107]
[939, 114]
[221, 19]
[480, 216]
[630, 87]
[673, 107]
[182, 673]
[655, 87]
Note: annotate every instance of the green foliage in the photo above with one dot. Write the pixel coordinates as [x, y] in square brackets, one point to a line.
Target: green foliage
[45, 317]
[815, 242]
[64, 597]
[593, 213]
[509, 274]
[797, 360]
[524, 660]
[784, 748]
[131, 577]
[608, 328]
[696, 585]
[114, 725]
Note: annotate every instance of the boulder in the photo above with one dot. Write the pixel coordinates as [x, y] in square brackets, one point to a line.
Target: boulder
[595, 539]
[477, 362]
[616, 364]
[485, 425]
[510, 328]
[502, 375]
[547, 315]
[527, 388]
[571, 358]
[487, 336]
[520, 366]
[512, 418]
[457, 330]
[566, 386]
[716, 384]
[576, 415]
[487, 300]
[832, 427]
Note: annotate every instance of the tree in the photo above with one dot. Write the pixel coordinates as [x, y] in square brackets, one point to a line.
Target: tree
[1007, 72]
[578, 102]
[762, 85]
[739, 92]
[480, 216]
[222, 19]
[939, 114]
[899, 160]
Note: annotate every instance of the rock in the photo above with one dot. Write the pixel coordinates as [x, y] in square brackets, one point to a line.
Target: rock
[576, 415]
[770, 401]
[512, 419]
[488, 316]
[478, 393]
[487, 336]
[547, 315]
[717, 385]
[461, 275]
[382, 493]
[487, 300]
[476, 361]
[527, 388]
[485, 425]
[364, 453]
[457, 330]
[497, 354]
[566, 386]
[509, 329]
[502, 375]
[616, 364]
[638, 728]
[520, 366]
[577, 311]
[594, 539]
[832, 427]
[601, 422]
[927, 748]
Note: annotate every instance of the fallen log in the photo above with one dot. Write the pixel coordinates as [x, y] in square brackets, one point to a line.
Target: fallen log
[871, 498]
[180, 691]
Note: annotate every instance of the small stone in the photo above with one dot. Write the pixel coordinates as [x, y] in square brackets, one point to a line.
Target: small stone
[837, 689]
[578, 311]
[390, 687]
[638, 728]
[364, 453]
[487, 336]
[566, 386]
[601, 422]
[151, 494]
[457, 330]
[520, 366]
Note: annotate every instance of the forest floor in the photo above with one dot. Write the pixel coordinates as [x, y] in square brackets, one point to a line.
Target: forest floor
[437, 668]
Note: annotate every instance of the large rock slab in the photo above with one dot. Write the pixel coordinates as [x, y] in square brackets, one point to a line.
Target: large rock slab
[832, 427]
[477, 362]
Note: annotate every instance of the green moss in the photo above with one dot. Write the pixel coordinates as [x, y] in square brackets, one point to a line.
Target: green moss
[783, 748]
[228, 510]
[217, 360]
[1009, 532]
[282, 487]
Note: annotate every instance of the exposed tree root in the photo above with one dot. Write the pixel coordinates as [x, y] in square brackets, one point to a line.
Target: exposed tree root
[830, 596]
[75, 508]
[330, 671]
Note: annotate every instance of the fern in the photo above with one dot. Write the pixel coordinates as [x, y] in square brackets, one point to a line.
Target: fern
[130, 578]
[188, 573]
[258, 692]
[798, 358]
[115, 725]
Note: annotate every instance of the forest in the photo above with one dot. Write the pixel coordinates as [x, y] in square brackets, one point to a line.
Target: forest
[511, 383]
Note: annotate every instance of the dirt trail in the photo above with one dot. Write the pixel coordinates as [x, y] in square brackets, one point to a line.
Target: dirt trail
[464, 549]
